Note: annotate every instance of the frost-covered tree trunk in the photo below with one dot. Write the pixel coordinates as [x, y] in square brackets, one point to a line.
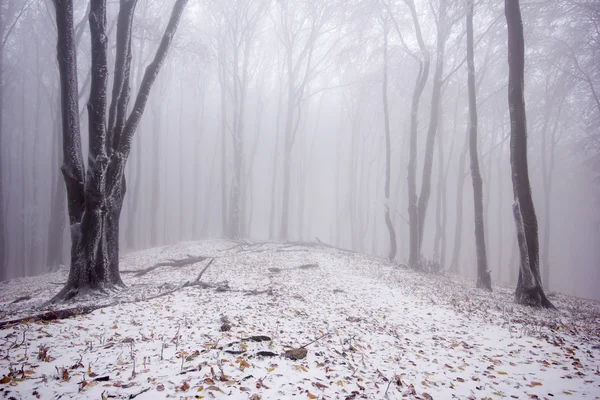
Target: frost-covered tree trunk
[484, 279]
[529, 285]
[95, 198]
[388, 166]
[414, 258]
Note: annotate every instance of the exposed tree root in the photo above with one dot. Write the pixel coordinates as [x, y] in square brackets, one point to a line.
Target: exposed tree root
[19, 299]
[190, 260]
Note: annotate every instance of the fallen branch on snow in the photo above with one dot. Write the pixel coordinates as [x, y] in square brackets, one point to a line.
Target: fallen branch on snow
[190, 260]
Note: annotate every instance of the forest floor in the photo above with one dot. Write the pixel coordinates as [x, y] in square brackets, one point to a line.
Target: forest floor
[282, 321]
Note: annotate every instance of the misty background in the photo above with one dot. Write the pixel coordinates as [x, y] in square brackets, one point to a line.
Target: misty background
[209, 157]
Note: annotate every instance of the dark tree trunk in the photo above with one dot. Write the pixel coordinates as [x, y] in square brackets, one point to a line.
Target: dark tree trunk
[484, 279]
[96, 199]
[529, 285]
[414, 258]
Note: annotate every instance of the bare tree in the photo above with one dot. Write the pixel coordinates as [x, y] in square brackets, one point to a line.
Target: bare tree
[388, 166]
[529, 285]
[484, 279]
[95, 199]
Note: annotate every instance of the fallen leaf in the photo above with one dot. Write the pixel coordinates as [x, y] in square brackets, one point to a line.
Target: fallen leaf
[310, 395]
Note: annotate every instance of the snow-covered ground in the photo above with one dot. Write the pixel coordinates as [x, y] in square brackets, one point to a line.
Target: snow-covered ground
[383, 332]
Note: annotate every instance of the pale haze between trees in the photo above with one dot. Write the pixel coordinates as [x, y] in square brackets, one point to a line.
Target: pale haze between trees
[365, 125]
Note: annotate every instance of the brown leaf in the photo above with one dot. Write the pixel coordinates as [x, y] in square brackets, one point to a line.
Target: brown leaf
[4, 380]
[160, 387]
[310, 395]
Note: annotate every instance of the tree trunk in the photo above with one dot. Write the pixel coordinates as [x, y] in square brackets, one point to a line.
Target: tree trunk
[388, 166]
[96, 198]
[436, 99]
[275, 167]
[58, 207]
[3, 267]
[529, 286]
[414, 259]
[224, 217]
[454, 267]
[156, 168]
[484, 279]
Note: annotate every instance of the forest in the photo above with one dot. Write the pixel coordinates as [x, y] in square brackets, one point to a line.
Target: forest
[382, 188]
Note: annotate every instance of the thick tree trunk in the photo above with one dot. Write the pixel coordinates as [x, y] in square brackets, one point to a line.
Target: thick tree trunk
[96, 199]
[484, 279]
[529, 286]
[388, 145]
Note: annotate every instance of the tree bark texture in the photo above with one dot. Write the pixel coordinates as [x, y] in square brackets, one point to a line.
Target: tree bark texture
[95, 199]
[529, 286]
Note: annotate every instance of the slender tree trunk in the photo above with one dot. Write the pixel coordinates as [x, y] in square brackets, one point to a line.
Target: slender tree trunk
[548, 150]
[156, 168]
[182, 185]
[3, 260]
[25, 249]
[484, 279]
[37, 248]
[414, 259]
[529, 286]
[438, 202]
[132, 228]
[58, 206]
[388, 145]
[454, 263]
[224, 218]
[198, 229]
[288, 145]
[275, 167]
[436, 100]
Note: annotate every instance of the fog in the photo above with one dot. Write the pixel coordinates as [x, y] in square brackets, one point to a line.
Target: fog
[250, 86]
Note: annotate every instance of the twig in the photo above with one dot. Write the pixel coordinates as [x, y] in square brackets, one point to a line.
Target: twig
[134, 395]
[319, 338]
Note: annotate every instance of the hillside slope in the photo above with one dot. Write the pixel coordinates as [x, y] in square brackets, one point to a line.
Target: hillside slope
[377, 331]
